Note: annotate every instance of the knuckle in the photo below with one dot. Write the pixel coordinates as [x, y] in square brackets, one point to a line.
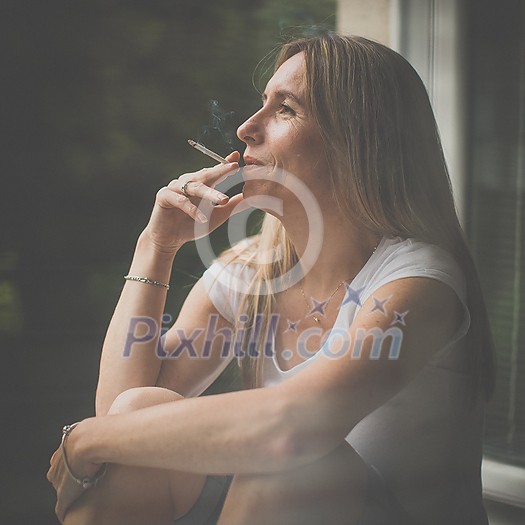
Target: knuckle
[197, 184]
[178, 182]
[169, 198]
[162, 192]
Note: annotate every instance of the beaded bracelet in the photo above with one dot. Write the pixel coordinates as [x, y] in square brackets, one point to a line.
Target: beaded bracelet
[86, 483]
[146, 281]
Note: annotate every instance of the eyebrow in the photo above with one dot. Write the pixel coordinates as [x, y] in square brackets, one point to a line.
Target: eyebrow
[284, 94]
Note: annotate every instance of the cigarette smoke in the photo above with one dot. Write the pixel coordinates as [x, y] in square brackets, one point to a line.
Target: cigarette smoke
[219, 133]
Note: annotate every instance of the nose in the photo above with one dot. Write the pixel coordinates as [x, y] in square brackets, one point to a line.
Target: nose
[250, 132]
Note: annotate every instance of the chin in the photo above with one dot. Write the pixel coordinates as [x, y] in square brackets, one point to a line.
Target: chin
[261, 197]
[253, 188]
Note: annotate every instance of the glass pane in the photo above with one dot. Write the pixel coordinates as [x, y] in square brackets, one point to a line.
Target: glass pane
[496, 56]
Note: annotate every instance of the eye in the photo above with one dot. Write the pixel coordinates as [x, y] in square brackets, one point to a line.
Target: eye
[285, 109]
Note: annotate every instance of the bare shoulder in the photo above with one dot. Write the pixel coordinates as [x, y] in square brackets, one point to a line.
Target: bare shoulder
[421, 298]
[426, 310]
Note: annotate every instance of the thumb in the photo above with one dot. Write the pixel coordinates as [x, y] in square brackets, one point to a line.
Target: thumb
[235, 205]
[234, 156]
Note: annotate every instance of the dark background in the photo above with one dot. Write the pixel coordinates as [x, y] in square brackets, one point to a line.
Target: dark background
[98, 100]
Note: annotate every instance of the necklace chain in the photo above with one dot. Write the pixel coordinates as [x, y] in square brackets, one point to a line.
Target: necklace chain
[316, 319]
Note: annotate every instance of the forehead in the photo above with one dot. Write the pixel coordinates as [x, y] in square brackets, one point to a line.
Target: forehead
[290, 76]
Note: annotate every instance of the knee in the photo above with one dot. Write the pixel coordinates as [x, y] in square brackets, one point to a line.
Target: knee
[142, 397]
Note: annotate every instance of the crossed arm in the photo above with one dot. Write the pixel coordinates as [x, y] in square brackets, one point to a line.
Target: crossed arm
[261, 430]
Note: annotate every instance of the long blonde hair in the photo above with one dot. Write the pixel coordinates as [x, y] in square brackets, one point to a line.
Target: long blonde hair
[386, 171]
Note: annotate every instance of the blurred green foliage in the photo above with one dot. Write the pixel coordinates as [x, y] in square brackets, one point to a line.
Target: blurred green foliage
[105, 95]
[98, 100]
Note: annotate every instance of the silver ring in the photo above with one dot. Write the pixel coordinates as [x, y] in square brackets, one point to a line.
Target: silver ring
[183, 189]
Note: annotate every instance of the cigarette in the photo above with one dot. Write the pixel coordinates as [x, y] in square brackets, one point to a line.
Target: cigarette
[206, 151]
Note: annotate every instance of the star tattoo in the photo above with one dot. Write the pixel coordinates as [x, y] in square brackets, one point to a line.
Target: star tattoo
[292, 326]
[318, 307]
[399, 318]
[380, 305]
[352, 295]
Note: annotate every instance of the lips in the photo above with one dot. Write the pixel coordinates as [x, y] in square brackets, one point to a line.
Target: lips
[255, 169]
[250, 161]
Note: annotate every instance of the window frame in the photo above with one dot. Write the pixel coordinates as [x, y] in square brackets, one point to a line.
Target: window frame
[435, 47]
[430, 34]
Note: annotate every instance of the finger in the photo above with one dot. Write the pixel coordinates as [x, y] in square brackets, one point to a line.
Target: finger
[199, 190]
[59, 511]
[234, 156]
[235, 205]
[211, 176]
[54, 456]
[66, 496]
[169, 199]
[53, 462]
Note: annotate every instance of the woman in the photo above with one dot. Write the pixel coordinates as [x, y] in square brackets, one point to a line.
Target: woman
[366, 366]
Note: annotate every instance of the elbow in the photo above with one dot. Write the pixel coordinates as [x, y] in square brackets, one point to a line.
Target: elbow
[297, 441]
[286, 450]
[292, 449]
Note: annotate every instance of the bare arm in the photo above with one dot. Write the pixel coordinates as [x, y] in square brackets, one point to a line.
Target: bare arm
[302, 419]
[124, 366]
[121, 366]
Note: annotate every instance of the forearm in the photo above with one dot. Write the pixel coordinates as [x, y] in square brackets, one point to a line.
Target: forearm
[125, 363]
[238, 432]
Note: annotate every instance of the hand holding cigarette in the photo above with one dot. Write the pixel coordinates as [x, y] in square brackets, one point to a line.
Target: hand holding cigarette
[191, 199]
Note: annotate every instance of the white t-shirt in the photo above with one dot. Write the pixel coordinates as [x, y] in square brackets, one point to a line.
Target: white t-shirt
[426, 441]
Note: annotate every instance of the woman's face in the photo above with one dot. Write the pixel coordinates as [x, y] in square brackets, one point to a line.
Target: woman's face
[281, 136]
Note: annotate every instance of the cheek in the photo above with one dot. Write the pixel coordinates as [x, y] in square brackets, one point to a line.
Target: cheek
[306, 154]
[294, 146]
[288, 146]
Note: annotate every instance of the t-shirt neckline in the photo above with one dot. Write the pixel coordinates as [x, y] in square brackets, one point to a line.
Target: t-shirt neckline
[337, 321]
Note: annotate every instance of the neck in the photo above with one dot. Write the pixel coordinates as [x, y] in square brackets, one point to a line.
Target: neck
[344, 250]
